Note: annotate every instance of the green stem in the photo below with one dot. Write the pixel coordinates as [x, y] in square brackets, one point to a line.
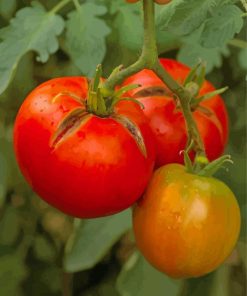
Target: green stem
[148, 56]
[59, 6]
[238, 43]
[149, 60]
[184, 99]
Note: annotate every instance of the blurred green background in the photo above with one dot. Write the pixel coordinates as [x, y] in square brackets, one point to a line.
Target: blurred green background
[42, 251]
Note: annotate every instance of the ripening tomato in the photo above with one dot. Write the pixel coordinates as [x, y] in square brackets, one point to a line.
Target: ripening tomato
[186, 225]
[167, 122]
[95, 166]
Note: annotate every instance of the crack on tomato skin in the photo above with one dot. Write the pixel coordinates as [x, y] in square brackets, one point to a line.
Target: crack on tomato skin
[154, 91]
[69, 125]
[133, 130]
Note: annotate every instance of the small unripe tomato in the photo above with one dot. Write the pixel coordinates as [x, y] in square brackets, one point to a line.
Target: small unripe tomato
[132, 1]
[186, 225]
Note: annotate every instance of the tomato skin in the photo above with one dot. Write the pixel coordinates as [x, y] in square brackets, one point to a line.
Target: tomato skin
[95, 171]
[167, 123]
[186, 225]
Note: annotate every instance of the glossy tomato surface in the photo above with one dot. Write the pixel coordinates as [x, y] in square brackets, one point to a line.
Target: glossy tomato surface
[99, 167]
[186, 225]
[167, 121]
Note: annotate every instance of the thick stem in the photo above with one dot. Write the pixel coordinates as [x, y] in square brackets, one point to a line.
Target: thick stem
[59, 6]
[149, 60]
[148, 56]
[184, 99]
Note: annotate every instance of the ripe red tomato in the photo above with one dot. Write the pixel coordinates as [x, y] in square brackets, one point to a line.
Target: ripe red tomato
[186, 225]
[167, 121]
[98, 166]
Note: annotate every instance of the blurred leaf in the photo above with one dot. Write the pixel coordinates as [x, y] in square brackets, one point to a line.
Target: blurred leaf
[51, 276]
[242, 58]
[128, 23]
[242, 250]
[43, 249]
[92, 240]
[12, 273]
[213, 284]
[183, 17]
[9, 226]
[225, 22]
[7, 8]
[3, 176]
[85, 37]
[32, 29]
[139, 278]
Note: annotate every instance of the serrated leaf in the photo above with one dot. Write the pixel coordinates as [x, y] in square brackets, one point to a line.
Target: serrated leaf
[139, 278]
[92, 240]
[225, 22]
[183, 17]
[190, 53]
[32, 29]
[85, 37]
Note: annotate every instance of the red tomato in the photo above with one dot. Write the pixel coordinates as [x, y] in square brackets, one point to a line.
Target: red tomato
[167, 122]
[99, 168]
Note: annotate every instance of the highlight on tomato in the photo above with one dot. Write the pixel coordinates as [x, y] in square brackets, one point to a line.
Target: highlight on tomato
[186, 225]
[166, 118]
[84, 158]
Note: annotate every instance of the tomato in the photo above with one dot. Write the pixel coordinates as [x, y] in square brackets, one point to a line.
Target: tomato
[186, 225]
[167, 122]
[132, 1]
[97, 166]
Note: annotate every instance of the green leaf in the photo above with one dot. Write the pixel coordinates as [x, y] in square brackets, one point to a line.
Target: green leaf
[191, 52]
[183, 17]
[9, 226]
[85, 37]
[12, 273]
[128, 23]
[212, 284]
[139, 278]
[7, 8]
[226, 21]
[92, 240]
[32, 29]
[242, 58]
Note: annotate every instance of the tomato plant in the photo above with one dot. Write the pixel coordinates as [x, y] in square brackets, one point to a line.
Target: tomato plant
[93, 166]
[176, 224]
[167, 121]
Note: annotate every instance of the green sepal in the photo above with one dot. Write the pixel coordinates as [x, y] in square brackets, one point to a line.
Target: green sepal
[126, 88]
[188, 162]
[192, 74]
[209, 95]
[214, 166]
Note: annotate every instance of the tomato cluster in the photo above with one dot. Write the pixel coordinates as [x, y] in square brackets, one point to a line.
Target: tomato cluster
[90, 164]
